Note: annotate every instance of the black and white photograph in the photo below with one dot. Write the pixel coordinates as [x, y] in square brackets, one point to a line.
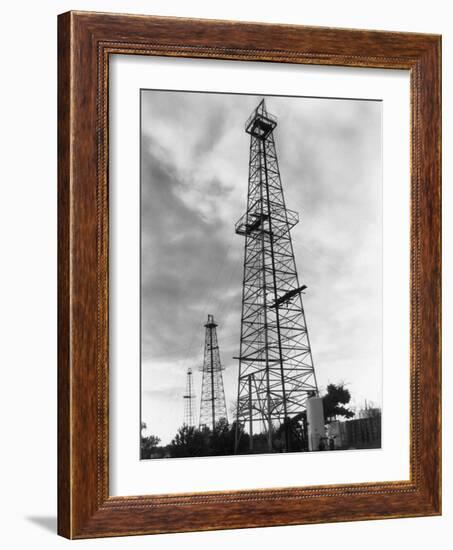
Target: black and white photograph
[226, 270]
[261, 274]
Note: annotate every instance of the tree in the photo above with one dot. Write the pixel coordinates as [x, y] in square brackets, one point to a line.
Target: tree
[189, 441]
[221, 441]
[336, 396]
[147, 443]
[242, 445]
[291, 434]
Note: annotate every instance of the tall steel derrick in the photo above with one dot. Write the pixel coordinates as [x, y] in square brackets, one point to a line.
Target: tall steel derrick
[189, 400]
[213, 405]
[276, 373]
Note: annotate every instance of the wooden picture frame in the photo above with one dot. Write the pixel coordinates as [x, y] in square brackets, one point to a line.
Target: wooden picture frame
[85, 42]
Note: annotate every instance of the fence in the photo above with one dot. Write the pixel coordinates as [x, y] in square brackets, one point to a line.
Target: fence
[360, 433]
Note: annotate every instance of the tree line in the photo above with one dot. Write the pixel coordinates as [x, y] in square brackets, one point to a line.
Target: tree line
[291, 435]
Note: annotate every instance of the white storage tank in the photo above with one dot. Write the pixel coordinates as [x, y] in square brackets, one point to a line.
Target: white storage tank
[315, 422]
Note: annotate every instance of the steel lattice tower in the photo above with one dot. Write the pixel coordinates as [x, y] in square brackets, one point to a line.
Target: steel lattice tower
[213, 406]
[189, 401]
[276, 373]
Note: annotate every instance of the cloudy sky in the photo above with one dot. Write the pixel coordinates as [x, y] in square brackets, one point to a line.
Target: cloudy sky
[194, 155]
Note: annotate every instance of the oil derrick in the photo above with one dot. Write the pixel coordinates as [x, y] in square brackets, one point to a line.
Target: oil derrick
[189, 401]
[213, 406]
[276, 373]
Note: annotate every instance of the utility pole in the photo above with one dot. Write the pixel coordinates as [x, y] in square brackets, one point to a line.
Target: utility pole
[276, 372]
